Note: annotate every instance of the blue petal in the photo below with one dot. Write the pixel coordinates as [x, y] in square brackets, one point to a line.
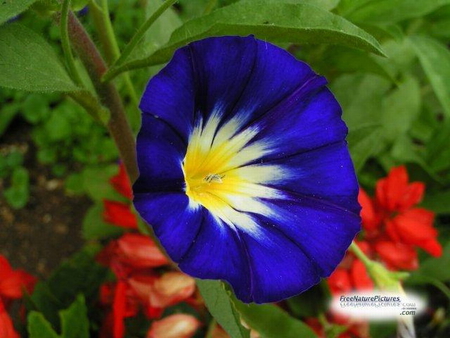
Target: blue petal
[300, 124]
[170, 95]
[323, 230]
[160, 152]
[173, 219]
[325, 173]
[218, 253]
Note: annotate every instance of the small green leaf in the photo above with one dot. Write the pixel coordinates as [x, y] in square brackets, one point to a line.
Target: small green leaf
[434, 268]
[96, 182]
[435, 60]
[27, 62]
[270, 321]
[400, 109]
[39, 327]
[94, 227]
[10, 8]
[363, 143]
[273, 21]
[219, 304]
[438, 202]
[74, 320]
[17, 195]
[392, 11]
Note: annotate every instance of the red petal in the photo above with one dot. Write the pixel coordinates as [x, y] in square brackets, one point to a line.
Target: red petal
[415, 226]
[360, 277]
[339, 281]
[397, 255]
[140, 251]
[433, 247]
[6, 325]
[413, 194]
[119, 214]
[390, 191]
[370, 219]
[121, 182]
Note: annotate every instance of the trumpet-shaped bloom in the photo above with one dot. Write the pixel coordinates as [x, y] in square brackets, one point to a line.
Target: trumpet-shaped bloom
[245, 174]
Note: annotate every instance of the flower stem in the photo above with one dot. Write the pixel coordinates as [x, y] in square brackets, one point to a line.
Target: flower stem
[102, 22]
[117, 125]
[66, 44]
[361, 255]
[140, 33]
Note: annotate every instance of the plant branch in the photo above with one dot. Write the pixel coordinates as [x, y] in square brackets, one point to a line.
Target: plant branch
[66, 44]
[140, 33]
[95, 65]
[103, 24]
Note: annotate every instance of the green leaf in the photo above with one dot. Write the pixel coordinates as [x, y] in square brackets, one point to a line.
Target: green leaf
[438, 202]
[27, 62]
[272, 21]
[94, 227]
[435, 60]
[438, 148]
[364, 142]
[79, 274]
[159, 33]
[74, 320]
[7, 113]
[434, 268]
[96, 182]
[39, 327]
[400, 109]
[392, 11]
[270, 321]
[219, 304]
[11, 8]
[17, 195]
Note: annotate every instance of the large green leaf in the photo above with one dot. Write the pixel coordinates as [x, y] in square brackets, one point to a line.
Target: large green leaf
[267, 20]
[270, 321]
[11, 8]
[400, 108]
[438, 202]
[435, 60]
[219, 304]
[27, 62]
[392, 11]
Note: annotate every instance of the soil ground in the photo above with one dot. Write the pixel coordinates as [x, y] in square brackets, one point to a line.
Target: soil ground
[47, 230]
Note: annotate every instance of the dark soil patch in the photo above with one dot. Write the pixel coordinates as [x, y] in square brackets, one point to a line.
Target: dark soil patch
[48, 229]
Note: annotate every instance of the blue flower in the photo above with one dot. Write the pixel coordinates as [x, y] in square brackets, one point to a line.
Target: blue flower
[245, 174]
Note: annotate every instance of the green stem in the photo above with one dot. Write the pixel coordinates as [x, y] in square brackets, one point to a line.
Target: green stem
[141, 31]
[104, 27]
[360, 254]
[117, 125]
[211, 327]
[66, 44]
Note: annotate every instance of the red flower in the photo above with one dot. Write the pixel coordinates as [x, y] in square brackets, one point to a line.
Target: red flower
[393, 225]
[354, 329]
[121, 183]
[14, 282]
[119, 214]
[6, 325]
[351, 274]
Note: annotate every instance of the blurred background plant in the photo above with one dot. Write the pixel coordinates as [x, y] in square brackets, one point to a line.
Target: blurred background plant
[62, 188]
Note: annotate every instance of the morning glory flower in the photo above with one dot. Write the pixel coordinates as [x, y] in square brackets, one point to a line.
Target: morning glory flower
[245, 174]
